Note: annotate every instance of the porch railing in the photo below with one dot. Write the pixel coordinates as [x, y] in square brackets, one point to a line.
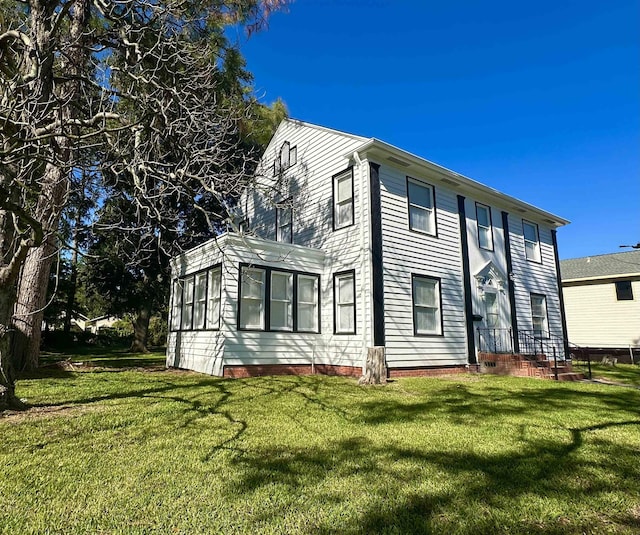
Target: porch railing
[495, 340]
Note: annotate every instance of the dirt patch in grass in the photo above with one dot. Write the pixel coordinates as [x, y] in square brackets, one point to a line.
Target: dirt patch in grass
[47, 411]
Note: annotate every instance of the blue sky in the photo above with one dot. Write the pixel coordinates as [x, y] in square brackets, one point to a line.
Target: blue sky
[539, 100]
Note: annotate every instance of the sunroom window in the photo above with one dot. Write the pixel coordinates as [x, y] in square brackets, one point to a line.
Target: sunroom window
[281, 313]
[252, 298]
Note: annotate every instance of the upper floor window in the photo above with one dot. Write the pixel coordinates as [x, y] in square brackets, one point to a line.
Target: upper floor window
[276, 300]
[485, 233]
[343, 210]
[196, 301]
[427, 314]
[344, 296]
[531, 241]
[287, 157]
[624, 291]
[284, 222]
[422, 213]
[539, 315]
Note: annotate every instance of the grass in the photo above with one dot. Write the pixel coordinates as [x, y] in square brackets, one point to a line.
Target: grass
[121, 450]
[620, 373]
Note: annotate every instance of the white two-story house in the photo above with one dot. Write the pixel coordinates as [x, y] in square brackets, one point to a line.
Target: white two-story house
[347, 243]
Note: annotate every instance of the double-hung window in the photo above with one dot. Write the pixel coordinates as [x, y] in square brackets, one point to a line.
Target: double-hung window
[427, 314]
[252, 298]
[281, 305]
[531, 241]
[539, 315]
[196, 300]
[284, 222]
[343, 209]
[214, 288]
[187, 303]
[344, 291]
[276, 300]
[308, 303]
[485, 234]
[422, 213]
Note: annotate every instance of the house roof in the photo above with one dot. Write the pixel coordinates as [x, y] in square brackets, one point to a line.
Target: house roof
[601, 266]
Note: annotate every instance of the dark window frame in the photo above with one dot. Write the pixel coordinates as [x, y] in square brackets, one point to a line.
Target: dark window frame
[535, 225]
[179, 281]
[336, 275]
[415, 276]
[334, 204]
[492, 248]
[624, 294]
[546, 312]
[267, 296]
[424, 184]
[277, 162]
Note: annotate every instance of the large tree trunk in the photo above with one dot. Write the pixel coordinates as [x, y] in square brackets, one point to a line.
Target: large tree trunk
[73, 283]
[30, 303]
[8, 397]
[141, 331]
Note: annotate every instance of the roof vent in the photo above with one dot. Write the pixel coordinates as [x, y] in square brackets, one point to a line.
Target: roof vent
[398, 161]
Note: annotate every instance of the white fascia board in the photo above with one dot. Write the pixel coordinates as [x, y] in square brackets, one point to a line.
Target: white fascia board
[402, 159]
[602, 278]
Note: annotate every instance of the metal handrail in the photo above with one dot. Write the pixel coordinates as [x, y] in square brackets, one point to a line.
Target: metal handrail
[495, 340]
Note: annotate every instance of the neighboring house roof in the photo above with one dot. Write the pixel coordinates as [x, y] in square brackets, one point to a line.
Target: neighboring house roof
[605, 266]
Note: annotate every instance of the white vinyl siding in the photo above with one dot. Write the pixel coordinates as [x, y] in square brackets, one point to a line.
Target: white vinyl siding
[281, 305]
[214, 294]
[252, 299]
[539, 315]
[531, 241]
[485, 232]
[421, 207]
[426, 306]
[307, 303]
[343, 199]
[345, 304]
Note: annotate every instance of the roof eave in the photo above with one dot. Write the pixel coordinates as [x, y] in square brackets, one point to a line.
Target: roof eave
[448, 178]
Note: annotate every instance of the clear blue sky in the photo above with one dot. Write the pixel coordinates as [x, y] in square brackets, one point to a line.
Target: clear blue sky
[540, 100]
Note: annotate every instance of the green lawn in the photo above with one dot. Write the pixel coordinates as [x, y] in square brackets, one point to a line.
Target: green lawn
[117, 450]
[620, 373]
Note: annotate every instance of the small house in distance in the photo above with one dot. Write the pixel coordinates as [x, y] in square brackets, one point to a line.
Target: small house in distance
[602, 302]
[348, 243]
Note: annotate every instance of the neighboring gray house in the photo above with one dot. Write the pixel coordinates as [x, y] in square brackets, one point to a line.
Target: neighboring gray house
[347, 243]
[602, 300]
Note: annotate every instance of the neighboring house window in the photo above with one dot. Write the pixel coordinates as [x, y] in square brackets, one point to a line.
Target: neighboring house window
[293, 300]
[422, 214]
[539, 315]
[531, 241]
[284, 222]
[252, 301]
[343, 199]
[214, 289]
[307, 305]
[427, 314]
[288, 156]
[485, 233]
[281, 305]
[196, 301]
[344, 292]
[187, 303]
[624, 291]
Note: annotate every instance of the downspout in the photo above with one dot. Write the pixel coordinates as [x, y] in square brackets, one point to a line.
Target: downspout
[364, 257]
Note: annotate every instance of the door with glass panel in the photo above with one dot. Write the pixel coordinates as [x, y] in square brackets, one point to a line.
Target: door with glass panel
[496, 337]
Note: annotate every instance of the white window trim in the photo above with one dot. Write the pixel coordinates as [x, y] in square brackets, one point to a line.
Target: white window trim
[340, 306]
[429, 210]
